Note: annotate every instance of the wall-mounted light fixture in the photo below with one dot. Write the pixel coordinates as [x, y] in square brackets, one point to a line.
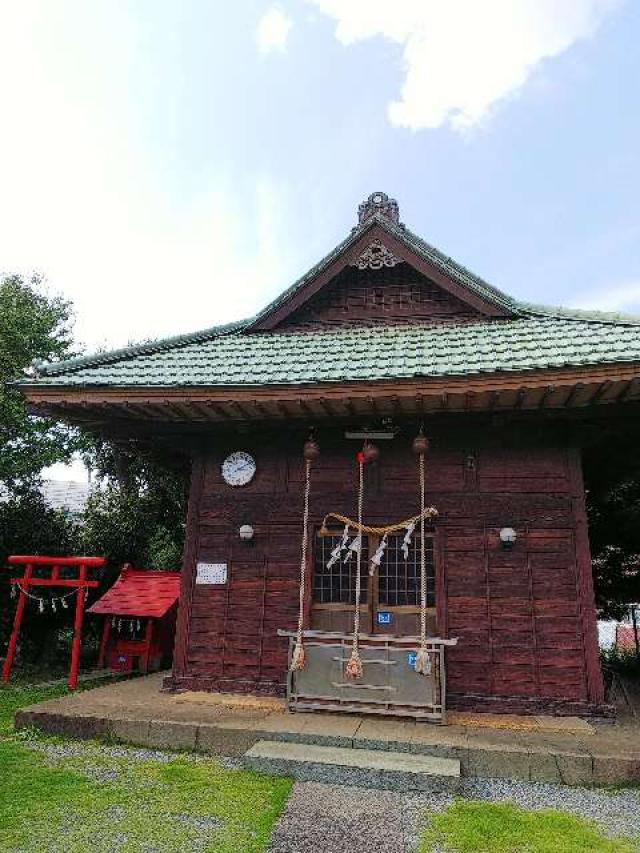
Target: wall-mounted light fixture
[508, 537]
[246, 532]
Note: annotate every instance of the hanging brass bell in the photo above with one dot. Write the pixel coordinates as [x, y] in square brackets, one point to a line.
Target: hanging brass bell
[420, 444]
[370, 452]
[311, 450]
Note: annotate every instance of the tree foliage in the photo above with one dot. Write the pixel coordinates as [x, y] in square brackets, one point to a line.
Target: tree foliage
[33, 326]
[136, 515]
[139, 516]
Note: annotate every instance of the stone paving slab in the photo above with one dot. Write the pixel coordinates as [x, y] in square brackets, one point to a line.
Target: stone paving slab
[366, 768]
[138, 711]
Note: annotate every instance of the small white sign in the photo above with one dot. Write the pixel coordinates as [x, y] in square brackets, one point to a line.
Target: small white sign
[211, 573]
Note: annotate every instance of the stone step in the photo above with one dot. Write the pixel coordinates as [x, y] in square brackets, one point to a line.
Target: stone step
[399, 771]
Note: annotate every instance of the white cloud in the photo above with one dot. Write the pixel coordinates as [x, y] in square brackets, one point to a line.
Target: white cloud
[85, 203]
[462, 56]
[273, 30]
[624, 297]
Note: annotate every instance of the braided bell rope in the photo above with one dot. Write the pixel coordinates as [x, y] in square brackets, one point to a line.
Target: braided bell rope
[353, 668]
[428, 512]
[423, 663]
[298, 657]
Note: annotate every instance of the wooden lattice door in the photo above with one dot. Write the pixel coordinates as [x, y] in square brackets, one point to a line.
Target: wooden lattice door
[389, 600]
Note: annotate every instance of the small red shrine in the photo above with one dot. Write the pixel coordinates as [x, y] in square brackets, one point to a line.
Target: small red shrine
[139, 629]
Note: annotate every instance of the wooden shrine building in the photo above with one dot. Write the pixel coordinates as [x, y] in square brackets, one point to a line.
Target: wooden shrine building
[384, 336]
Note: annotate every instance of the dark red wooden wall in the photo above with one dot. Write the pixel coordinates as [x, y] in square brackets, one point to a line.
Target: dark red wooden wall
[397, 294]
[524, 617]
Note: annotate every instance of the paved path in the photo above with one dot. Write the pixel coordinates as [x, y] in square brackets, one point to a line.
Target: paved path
[335, 819]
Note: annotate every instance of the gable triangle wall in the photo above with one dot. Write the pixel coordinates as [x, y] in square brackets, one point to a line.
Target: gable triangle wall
[388, 295]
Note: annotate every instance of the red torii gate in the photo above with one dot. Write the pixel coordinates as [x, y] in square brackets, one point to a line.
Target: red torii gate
[81, 583]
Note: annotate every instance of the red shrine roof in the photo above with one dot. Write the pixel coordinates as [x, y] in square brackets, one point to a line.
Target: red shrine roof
[140, 592]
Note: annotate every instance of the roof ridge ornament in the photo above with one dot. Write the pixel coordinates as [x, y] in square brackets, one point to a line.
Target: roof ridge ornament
[375, 257]
[379, 204]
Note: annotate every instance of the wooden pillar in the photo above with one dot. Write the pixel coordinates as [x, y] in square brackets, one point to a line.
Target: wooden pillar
[148, 640]
[188, 568]
[584, 571]
[17, 622]
[77, 631]
[104, 642]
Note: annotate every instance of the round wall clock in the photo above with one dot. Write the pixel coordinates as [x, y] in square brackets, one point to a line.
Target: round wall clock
[238, 468]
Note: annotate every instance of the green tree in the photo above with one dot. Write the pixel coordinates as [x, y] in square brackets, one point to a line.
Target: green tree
[34, 326]
[139, 514]
[612, 477]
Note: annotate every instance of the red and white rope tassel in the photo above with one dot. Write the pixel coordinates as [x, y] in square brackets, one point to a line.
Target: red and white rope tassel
[423, 658]
[311, 452]
[353, 668]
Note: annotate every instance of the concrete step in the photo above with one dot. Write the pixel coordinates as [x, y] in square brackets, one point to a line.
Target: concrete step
[399, 771]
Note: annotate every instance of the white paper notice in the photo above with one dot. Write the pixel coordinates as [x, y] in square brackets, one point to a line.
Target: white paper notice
[211, 573]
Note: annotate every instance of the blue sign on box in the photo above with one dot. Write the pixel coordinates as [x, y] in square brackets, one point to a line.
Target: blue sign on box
[384, 617]
[411, 659]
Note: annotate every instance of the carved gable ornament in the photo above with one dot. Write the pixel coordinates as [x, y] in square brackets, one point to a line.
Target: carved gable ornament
[375, 257]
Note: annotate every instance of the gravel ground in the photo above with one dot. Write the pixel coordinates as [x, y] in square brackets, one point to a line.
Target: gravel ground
[336, 819]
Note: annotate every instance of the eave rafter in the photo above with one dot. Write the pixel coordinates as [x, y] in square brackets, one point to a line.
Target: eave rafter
[549, 390]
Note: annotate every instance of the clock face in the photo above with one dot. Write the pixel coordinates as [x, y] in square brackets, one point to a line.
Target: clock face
[238, 468]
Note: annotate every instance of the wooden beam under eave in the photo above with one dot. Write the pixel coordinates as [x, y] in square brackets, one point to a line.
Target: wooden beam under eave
[521, 396]
[245, 412]
[548, 392]
[333, 409]
[164, 412]
[304, 410]
[600, 392]
[574, 393]
[493, 401]
[274, 409]
[629, 388]
[181, 410]
[209, 412]
[138, 411]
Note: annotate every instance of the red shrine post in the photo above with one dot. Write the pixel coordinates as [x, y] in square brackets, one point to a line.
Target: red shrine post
[75, 576]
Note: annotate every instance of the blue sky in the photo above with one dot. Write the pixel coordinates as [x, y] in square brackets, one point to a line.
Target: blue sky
[173, 165]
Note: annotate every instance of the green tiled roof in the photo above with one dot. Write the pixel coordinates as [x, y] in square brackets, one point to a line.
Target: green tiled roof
[364, 353]
[533, 337]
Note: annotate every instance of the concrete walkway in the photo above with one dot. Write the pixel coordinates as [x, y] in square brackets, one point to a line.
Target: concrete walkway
[138, 712]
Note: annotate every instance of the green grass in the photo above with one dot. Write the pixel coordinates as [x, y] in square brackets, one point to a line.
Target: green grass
[110, 801]
[479, 827]
[15, 696]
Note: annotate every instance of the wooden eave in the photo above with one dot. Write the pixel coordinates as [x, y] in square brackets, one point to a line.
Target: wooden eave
[299, 297]
[535, 390]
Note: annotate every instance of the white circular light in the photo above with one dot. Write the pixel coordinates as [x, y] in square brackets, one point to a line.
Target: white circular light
[246, 532]
[508, 536]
